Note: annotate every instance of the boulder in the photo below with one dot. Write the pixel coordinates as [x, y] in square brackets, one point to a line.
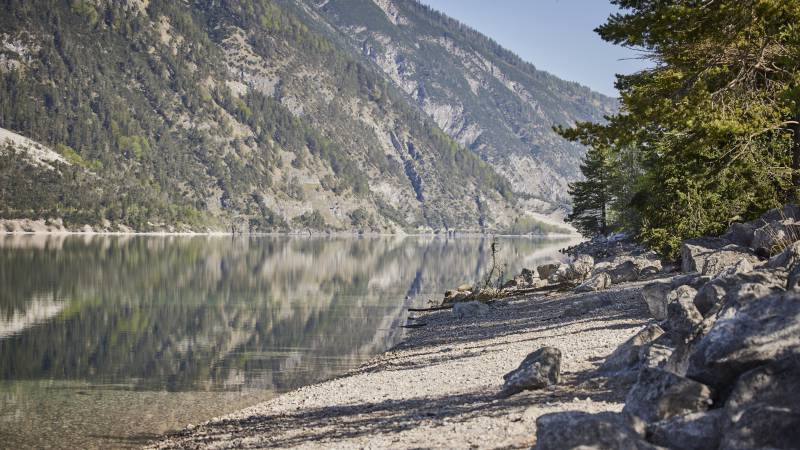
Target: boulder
[528, 275]
[655, 295]
[626, 271]
[547, 270]
[451, 297]
[786, 259]
[763, 410]
[659, 395]
[742, 233]
[694, 252]
[538, 370]
[464, 287]
[718, 262]
[582, 267]
[788, 211]
[682, 316]
[743, 265]
[597, 282]
[774, 236]
[649, 271]
[627, 357]
[466, 310]
[748, 332]
[756, 283]
[697, 431]
[575, 429]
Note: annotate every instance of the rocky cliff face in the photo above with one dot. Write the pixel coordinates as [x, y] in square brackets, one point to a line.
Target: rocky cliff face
[480, 94]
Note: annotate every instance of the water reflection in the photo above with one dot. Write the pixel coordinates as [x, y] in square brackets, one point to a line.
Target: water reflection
[106, 338]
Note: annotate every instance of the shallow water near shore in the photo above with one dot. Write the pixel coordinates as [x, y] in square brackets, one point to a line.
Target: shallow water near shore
[108, 341]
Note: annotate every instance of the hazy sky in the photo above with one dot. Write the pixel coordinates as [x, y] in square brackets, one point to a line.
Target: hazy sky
[554, 35]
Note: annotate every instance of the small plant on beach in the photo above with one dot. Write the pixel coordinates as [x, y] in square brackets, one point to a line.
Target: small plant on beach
[495, 277]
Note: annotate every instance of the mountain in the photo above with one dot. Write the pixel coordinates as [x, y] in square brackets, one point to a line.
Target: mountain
[481, 94]
[267, 115]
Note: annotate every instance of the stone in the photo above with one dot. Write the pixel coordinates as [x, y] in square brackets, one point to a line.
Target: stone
[649, 271]
[597, 282]
[655, 295]
[756, 283]
[659, 395]
[547, 270]
[748, 332]
[626, 271]
[774, 236]
[721, 261]
[528, 275]
[575, 429]
[694, 252]
[657, 353]
[743, 265]
[510, 284]
[696, 431]
[627, 357]
[787, 259]
[763, 410]
[465, 310]
[682, 316]
[538, 370]
[464, 287]
[582, 267]
[742, 233]
[451, 297]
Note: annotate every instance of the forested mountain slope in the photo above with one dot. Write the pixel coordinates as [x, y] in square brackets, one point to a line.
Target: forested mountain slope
[481, 94]
[257, 114]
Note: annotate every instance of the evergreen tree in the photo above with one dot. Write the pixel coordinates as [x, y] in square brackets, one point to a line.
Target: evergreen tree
[590, 197]
[714, 122]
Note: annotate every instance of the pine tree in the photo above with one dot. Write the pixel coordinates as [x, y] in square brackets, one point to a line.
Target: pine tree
[590, 197]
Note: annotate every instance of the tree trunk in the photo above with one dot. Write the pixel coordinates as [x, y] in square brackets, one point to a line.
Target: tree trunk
[796, 160]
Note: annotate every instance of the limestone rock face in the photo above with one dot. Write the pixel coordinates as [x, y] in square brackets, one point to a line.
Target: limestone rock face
[538, 370]
[747, 334]
[574, 429]
[659, 395]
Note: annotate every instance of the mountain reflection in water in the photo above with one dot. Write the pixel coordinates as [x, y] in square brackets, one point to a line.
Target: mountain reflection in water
[107, 340]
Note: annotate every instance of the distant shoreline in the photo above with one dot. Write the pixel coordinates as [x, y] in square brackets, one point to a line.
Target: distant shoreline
[291, 233]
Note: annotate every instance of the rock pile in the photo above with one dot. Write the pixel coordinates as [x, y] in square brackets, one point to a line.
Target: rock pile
[720, 365]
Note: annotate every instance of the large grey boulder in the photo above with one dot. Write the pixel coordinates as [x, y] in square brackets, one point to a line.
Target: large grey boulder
[756, 283]
[787, 259]
[776, 235]
[748, 332]
[742, 233]
[627, 271]
[655, 295]
[538, 370]
[695, 252]
[697, 431]
[682, 316]
[467, 310]
[659, 395]
[575, 429]
[763, 410]
[582, 267]
[727, 262]
[597, 282]
[545, 271]
[628, 356]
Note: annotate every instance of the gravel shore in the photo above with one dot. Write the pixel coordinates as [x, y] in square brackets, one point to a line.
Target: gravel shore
[438, 388]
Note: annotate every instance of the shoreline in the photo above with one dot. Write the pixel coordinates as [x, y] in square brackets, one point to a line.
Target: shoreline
[297, 234]
[438, 387]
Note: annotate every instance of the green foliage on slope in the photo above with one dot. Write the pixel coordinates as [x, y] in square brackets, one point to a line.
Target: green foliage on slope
[143, 100]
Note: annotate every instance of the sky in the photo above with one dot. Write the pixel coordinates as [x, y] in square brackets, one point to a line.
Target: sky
[553, 35]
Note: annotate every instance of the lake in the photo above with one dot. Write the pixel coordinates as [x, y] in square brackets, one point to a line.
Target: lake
[108, 341]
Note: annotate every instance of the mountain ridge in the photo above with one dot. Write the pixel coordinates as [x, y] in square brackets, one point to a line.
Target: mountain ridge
[252, 115]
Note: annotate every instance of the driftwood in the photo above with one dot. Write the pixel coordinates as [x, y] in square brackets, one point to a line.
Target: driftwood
[413, 325]
[435, 308]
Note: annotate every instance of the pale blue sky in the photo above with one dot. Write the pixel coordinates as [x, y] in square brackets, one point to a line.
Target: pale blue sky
[554, 35]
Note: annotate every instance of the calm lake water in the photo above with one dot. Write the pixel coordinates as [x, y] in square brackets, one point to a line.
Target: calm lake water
[108, 341]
